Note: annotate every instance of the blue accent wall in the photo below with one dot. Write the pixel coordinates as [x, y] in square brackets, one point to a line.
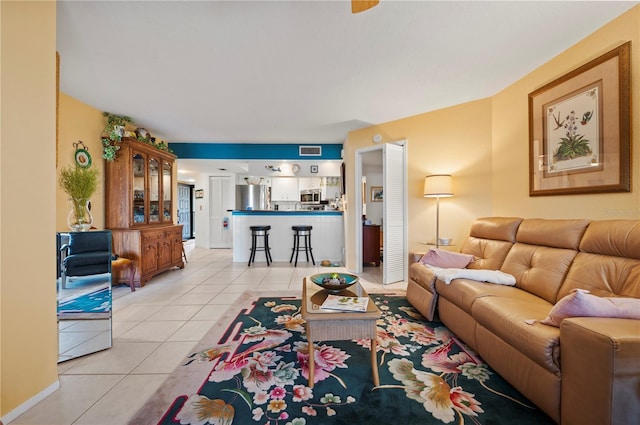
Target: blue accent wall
[251, 151]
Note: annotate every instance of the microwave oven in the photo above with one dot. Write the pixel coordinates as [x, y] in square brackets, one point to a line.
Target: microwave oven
[310, 196]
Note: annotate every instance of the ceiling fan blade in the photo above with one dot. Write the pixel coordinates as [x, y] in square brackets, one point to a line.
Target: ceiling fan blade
[358, 6]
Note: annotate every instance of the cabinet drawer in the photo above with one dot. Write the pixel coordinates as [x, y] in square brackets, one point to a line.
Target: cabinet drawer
[152, 236]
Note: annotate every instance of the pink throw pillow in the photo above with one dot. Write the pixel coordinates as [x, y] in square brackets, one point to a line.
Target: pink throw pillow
[446, 259]
[579, 303]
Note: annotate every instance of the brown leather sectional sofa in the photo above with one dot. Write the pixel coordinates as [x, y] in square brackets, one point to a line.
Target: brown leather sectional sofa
[587, 371]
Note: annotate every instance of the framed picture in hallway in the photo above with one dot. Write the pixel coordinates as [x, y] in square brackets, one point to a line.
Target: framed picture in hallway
[199, 193]
[377, 194]
[580, 129]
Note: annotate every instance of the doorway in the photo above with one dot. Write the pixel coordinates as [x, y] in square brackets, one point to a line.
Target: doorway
[185, 210]
[393, 220]
[221, 202]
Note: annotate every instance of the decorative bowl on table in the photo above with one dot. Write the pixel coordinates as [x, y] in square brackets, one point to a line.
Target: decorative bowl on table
[334, 282]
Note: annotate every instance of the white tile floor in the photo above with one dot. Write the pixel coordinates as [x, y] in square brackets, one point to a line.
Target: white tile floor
[155, 327]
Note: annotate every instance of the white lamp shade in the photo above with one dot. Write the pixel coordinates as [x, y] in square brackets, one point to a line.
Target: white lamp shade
[438, 186]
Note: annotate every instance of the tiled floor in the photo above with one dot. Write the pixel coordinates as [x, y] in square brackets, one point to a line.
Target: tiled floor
[154, 328]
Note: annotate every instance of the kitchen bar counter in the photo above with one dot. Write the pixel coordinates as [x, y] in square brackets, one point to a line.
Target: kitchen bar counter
[327, 236]
[286, 212]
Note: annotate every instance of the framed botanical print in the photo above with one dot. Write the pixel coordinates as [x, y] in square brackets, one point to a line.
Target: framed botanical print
[580, 129]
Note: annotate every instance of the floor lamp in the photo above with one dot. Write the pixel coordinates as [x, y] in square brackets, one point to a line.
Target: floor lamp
[438, 186]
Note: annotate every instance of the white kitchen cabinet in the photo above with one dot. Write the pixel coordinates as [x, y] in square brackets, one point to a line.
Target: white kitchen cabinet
[285, 189]
[309, 183]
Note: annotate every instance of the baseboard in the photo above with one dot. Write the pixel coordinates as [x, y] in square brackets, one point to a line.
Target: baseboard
[30, 403]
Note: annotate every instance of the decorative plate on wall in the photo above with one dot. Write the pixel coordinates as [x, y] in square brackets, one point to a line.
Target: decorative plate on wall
[82, 157]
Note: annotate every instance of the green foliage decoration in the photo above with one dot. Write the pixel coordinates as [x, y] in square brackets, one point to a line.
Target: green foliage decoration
[78, 182]
[112, 134]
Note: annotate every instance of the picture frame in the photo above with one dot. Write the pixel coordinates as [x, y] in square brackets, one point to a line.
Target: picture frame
[199, 193]
[377, 195]
[314, 169]
[580, 129]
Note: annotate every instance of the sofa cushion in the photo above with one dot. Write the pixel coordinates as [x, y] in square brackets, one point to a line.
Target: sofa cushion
[495, 228]
[507, 318]
[619, 238]
[489, 254]
[603, 275]
[446, 259]
[579, 303]
[539, 270]
[464, 292]
[489, 241]
[552, 233]
[423, 276]
[608, 263]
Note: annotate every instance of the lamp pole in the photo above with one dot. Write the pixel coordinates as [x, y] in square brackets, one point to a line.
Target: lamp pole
[437, 186]
[437, 221]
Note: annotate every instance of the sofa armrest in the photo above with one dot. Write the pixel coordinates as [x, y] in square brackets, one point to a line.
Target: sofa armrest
[414, 257]
[600, 364]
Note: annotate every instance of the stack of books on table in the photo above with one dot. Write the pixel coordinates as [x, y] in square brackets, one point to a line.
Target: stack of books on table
[339, 302]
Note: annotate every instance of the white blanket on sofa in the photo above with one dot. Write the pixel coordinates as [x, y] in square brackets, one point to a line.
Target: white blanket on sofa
[491, 276]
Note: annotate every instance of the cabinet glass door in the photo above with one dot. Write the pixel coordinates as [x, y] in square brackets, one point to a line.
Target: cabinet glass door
[138, 189]
[166, 192]
[154, 191]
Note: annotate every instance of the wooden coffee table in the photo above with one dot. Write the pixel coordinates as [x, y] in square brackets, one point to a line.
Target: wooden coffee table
[332, 325]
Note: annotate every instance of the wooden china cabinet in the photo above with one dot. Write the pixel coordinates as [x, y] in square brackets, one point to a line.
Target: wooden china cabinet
[139, 209]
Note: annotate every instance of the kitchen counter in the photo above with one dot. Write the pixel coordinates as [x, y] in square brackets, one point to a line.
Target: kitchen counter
[286, 212]
[327, 236]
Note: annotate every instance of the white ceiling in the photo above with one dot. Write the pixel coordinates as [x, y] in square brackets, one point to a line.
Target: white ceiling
[303, 71]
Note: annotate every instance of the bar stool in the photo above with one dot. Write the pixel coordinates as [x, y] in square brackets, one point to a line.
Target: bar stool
[302, 232]
[257, 231]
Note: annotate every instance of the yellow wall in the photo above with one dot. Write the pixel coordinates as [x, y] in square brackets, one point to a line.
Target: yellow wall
[454, 141]
[79, 121]
[511, 138]
[28, 329]
[485, 146]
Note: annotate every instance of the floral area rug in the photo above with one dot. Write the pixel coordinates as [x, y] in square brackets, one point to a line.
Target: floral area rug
[252, 369]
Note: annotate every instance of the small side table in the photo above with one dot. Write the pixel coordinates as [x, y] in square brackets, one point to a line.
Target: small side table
[121, 265]
[332, 325]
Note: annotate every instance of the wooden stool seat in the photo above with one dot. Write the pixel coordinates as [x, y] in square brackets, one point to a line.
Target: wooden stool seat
[120, 265]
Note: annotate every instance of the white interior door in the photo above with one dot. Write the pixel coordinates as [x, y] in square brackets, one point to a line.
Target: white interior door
[394, 252]
[185, 210]
[219, 218]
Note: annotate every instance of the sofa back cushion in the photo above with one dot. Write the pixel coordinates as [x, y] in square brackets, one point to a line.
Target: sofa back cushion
[489, 241]
[553, 233]
[542, 254]
[608, 263]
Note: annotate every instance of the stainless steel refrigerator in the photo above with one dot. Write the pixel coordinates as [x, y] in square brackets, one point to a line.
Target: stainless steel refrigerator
[251, 197]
